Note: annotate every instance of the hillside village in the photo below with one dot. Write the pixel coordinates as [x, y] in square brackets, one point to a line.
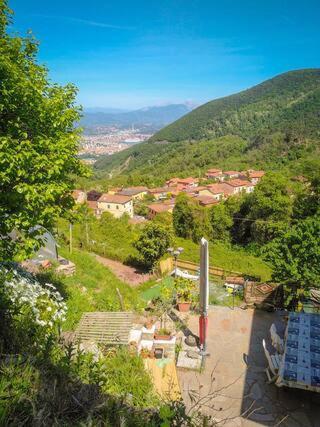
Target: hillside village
[215, 186]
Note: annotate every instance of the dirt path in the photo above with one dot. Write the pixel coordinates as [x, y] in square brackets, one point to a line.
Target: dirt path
[127, 274]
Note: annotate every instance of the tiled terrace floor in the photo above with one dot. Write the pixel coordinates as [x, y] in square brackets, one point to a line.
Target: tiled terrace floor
[237, 364]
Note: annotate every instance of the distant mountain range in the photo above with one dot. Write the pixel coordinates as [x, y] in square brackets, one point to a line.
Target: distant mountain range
[150, 117]
[273, 124]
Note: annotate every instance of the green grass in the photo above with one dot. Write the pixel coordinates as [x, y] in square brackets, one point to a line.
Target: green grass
[227, 257]
[108, 237]
[93, 288]
[152, 288]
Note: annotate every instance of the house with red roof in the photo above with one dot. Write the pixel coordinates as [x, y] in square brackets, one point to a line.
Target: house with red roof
[255, 176]
[160, 193]
[231, 174]
[206, 201]
[219, 190]
[183, 182]
[214, 173]
[240, 186]
[157, 208]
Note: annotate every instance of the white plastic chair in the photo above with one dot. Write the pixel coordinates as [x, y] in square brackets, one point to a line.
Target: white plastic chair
[274, 362]
[277, 342]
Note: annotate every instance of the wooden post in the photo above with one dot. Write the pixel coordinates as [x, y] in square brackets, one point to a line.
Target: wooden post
[120, 299]
[87, 233]
[70, 237]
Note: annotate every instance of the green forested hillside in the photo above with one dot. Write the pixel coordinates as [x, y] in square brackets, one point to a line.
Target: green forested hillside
[272, 125]
[290, 101]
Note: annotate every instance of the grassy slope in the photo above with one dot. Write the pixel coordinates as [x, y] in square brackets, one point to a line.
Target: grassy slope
[228, 257]
[111, 238]
[114, 240]
[93, 288]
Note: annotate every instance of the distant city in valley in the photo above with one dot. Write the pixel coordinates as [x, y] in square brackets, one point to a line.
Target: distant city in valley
[108, 131]
[107, 140]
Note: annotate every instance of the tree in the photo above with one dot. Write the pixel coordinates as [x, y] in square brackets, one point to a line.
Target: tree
[221, 218]
[153, 243]
[183, 220]
[296, 255]
[190, 220]
[38, 144]
[265, 213]
[307, 202]
[221, 222]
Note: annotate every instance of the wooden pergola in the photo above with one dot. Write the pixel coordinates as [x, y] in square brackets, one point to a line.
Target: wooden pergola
[110, 327]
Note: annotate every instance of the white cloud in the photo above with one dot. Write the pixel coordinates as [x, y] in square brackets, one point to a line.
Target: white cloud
[86, 22]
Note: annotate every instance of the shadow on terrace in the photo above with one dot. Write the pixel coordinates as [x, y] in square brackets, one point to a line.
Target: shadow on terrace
[233, 387]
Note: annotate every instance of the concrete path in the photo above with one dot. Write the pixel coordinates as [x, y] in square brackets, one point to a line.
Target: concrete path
[233, 388]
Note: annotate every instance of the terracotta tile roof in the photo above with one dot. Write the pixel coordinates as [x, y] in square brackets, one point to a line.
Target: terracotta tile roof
[226, 189]
[255, 174]
[214, 171]
[175, 180]
[160, 190]
[236, 280]
[191, 190]
[231, 173]
[186, 181]
[199, 188]
[215, 188]
[114, 198]
[160, 207]
[239, 183]
[206, 200]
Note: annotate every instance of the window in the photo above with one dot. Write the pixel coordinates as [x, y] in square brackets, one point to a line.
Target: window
[108, 206]
[117, 206]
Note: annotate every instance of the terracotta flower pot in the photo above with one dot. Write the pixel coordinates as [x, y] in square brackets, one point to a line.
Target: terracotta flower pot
[184, 306]
[162, 337]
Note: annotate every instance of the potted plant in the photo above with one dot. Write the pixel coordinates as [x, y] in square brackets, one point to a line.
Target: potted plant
[145, 353]
[162, 334]
[185, 289]
[148, 324]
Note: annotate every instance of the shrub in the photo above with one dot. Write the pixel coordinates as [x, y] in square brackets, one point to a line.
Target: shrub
[153, 243]
[18, 388]
[185, 289]
[32, 313]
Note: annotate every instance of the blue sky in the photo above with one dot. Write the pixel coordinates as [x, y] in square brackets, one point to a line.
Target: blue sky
[134, 53]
